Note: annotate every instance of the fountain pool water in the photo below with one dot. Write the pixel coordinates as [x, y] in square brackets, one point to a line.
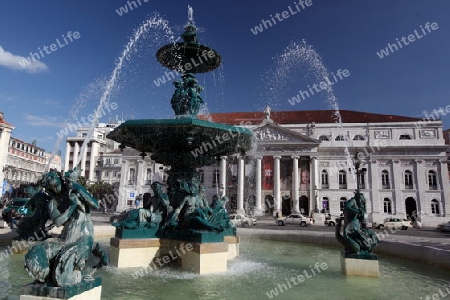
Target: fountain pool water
[261, 266]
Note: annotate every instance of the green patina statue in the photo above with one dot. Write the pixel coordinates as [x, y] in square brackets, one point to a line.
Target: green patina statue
[191, 210]
[33, 224]
[144, 217]
[358, 240]
[63, 261]
[186, 99]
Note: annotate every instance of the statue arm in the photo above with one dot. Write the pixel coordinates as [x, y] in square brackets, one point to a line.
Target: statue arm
[60, 218]
[84, 195]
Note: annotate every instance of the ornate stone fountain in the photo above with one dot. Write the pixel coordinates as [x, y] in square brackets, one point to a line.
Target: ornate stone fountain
[183, 214]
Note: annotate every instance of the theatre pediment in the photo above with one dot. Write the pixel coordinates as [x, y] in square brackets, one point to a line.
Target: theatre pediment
[274, 134]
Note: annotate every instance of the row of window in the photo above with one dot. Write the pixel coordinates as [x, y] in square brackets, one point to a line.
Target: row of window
[26, 148]
[108, 161]
[385, 180]
[148, 175]
[359, 137]
[387, 206]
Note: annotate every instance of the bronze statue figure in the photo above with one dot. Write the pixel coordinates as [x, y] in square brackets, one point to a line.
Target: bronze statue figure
[63, 261]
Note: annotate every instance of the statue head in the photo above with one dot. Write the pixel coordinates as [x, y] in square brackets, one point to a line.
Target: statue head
[156, 186]
[51, 181]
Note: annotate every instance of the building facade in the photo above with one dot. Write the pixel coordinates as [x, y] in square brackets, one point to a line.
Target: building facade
[302, 161]
[97, 145]
[25, 164]
[5, 135]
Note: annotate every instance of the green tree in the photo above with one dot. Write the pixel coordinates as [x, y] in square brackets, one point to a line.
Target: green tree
[83, 181]
[102, 191]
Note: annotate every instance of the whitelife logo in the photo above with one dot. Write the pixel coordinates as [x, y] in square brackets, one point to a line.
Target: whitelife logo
[265, 24]
[49, 49]
[411, 38]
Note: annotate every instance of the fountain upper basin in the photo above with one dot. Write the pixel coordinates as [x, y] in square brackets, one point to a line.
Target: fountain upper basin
[192, 141]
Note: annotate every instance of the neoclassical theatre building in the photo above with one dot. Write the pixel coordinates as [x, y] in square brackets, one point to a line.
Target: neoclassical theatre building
[302, 162]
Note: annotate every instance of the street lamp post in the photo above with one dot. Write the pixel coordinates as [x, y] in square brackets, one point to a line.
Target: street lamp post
[360, 171]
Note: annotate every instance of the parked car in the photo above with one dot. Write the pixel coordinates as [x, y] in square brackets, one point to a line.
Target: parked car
[331, 220]
[393, 223]
[444, 226]
[296, 219]
[16, 208]
[242, 220]
[252, 218]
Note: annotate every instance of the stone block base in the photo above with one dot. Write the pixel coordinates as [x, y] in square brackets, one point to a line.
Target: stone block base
[200, 258]
[233, 246]
[360, 267]
[206, 258]
[84, 291]
[130, 253]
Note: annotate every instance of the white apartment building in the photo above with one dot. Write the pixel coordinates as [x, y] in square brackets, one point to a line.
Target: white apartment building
[25, 163]
[96, 147]
[5, 134]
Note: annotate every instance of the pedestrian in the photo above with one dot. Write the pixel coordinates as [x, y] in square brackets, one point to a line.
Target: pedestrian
[12, 222]
[137, 202]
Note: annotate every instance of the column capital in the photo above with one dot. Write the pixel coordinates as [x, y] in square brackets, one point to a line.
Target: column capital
[223, 157]
[259, 157]
[277, 156]
[295, 156]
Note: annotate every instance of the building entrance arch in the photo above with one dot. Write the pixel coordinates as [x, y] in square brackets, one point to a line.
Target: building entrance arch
[411, 208]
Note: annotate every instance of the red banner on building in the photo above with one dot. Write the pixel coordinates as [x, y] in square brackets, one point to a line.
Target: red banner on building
[267, 173]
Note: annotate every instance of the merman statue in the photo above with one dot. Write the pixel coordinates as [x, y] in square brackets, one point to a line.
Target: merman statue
[358, 240]
[64, 261]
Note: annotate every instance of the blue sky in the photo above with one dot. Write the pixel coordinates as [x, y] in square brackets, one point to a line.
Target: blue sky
[38, 99]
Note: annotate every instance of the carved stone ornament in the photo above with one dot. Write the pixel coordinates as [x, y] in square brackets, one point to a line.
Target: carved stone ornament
[382, 134]
[431, 163]
[427, 134]
[268, 134]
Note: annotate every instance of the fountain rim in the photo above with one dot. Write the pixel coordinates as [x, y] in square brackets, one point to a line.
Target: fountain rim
[178, 62]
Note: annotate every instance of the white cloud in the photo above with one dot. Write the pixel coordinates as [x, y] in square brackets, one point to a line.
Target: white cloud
[16, 62]
[43, 121]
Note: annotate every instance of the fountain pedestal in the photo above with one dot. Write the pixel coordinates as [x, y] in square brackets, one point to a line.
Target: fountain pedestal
[88, 290]
[154, 253]
[359, 267]
[133, 253]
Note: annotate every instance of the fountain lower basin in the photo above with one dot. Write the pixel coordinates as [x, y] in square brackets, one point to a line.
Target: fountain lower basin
[262, 265]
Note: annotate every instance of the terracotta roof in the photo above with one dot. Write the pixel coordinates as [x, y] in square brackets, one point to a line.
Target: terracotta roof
[2, 120]
[305, 117]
